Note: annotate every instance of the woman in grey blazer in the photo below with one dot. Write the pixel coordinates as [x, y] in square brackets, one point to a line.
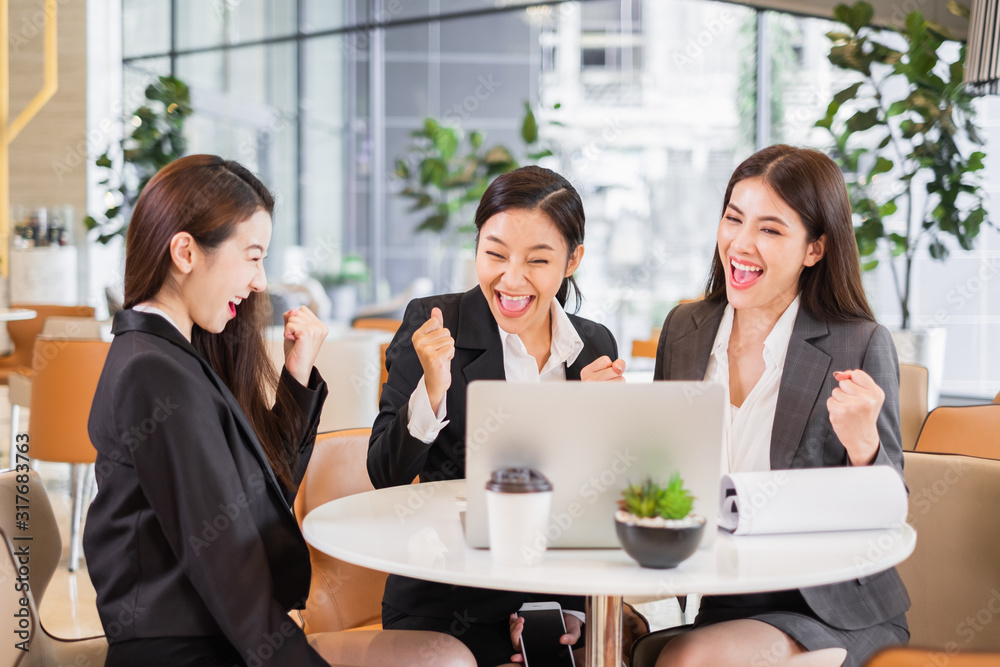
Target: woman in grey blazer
[813, 381]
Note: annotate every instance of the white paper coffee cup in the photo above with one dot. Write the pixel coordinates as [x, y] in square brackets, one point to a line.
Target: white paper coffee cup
[518, 502]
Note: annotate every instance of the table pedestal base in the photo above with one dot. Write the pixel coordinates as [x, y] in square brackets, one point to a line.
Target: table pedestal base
[604, 631]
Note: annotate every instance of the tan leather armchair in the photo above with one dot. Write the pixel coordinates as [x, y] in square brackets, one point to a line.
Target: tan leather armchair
[972, 430]
[342, 596]
[912, 402]
[952, 576]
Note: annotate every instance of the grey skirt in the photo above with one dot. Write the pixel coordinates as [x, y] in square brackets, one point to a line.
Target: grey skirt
[789, 612]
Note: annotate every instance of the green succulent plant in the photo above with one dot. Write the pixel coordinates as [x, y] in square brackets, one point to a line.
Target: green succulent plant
[649, 499]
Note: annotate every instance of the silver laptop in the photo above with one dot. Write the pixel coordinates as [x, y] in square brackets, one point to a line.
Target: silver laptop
[591, 440]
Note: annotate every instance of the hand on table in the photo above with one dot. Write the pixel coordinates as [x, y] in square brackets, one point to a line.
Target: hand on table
[603, 370]
[435, 349]
[572, 636]
[304, 335]
[854, 408]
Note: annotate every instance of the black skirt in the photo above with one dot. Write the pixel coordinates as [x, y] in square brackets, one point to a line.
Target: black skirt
[174, 652]
[789, 612]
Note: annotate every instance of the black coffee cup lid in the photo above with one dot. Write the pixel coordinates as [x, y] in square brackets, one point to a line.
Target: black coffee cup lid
[518, 480]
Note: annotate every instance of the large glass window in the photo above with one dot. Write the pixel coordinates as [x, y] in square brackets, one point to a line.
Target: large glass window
[647, 106]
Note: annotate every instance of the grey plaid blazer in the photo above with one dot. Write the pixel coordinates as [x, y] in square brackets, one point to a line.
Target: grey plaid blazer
[802, 436]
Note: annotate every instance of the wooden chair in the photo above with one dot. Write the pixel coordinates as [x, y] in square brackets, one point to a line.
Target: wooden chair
[342, 596]
[46, 550]
[62, 390]
[23, 333]
[916, 657]
[972, 430]
[952, 575]
[912, 402]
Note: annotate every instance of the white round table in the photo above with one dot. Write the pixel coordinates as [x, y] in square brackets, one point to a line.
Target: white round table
[12, 314]
[416, 531]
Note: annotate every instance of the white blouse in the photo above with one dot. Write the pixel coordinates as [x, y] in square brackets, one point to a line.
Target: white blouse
[518, 366]
[747, 431]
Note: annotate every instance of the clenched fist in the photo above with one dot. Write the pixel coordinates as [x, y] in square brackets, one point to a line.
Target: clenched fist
[304, 335]
[435, 348]
[854, 408]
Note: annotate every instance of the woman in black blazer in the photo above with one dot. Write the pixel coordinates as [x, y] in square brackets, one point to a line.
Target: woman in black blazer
[191, 542]
[813, 381]
[511, 326]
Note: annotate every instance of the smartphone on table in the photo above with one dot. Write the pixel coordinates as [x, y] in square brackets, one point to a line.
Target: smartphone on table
[543, 626]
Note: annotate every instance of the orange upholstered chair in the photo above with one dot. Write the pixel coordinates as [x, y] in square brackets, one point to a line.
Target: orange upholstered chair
[342, 596]
[972, 430]
[23, 333]
[916, 657]
[62, 390]
[997, 399]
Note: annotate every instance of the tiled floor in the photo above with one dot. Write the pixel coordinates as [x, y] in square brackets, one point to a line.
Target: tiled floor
[69, 611]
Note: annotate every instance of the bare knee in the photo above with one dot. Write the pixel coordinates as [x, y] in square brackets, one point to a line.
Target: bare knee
[452, 653]
[685, 651]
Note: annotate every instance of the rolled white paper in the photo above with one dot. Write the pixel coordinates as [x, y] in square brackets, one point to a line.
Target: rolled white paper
[812, 499]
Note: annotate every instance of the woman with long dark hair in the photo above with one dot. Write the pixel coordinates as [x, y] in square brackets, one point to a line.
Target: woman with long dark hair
[191, 542]
[812, 381]
[511, 326]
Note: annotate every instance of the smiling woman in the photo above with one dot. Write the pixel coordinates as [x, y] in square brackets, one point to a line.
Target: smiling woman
[513, 327]
[812, 381]
[211, 485]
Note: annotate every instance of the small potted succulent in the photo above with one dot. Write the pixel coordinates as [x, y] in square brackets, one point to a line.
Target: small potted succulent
[656, 525]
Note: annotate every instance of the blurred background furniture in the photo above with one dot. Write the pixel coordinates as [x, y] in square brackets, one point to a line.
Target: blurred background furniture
[53, 327]
[912, 402]
[342, 596]
[952, 574]
[972, 430]
[46, 551]
[393, 308]
[377, 323]
[62, 390]
[23, 333]
[646, 348]
[916, 657]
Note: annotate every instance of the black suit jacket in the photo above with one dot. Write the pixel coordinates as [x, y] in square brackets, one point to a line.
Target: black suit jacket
[190, 533]
[395, 457]
[802, 436]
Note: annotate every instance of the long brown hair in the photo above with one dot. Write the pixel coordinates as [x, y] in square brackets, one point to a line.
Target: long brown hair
[207, 197]
[812, 185]
[536, 188]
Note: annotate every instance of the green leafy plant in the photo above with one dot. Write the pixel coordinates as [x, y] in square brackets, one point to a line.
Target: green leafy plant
[447, 171]
[156, 140]
[649, 499]
[910, 180]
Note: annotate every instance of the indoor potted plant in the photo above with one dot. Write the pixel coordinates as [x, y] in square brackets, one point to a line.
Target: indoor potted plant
[901, 134]
[656, 525]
